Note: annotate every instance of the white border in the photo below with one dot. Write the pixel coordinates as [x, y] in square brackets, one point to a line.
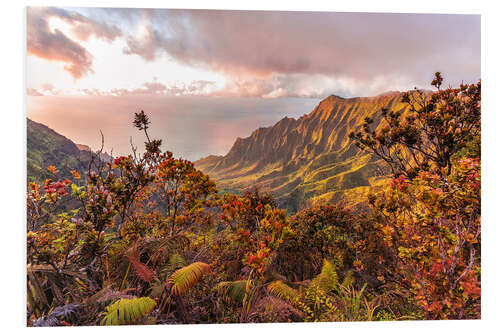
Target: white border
[13, 175]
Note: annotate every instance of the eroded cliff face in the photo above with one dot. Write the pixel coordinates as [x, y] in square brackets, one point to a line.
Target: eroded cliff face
[307, 159]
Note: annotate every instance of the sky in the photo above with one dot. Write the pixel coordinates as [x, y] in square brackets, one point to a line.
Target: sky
[206, 77]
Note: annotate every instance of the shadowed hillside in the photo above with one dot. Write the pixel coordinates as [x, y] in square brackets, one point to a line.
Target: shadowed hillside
[47, 147]
[309, 158]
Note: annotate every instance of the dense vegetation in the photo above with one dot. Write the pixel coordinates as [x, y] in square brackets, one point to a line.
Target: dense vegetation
[152, 241]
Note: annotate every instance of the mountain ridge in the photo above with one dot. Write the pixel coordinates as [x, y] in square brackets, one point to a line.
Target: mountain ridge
[309, 158]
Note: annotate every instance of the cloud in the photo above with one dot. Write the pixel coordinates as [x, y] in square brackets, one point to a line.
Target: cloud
[47, 87]
[270, 54]
[301, 86]
[277, 86]
[33, 92]
[145, 45]
[194, 88]
[54, 45]
[364, 47]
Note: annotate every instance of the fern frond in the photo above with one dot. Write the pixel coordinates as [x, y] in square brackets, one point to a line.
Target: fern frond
[157, 288]
[37, 286]
[327, 280]
[278, 309]
[128, 311]
[160, 248]
[348, 279]
[186, 277]
[105, 295]
[166, 244]
[233, 290]
[282, 291]
[143, 271]
[176, 261]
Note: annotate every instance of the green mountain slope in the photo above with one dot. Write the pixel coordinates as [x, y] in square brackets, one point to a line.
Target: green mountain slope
[47, 147]
[307, 159]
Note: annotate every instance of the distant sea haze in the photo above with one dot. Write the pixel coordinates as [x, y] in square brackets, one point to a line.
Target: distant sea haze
[190, 127]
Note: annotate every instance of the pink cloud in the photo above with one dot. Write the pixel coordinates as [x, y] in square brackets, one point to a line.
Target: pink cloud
[195, 88]
[269, 53]
[56, 46]
[274, 87]
[33, 92]
[354, 46]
